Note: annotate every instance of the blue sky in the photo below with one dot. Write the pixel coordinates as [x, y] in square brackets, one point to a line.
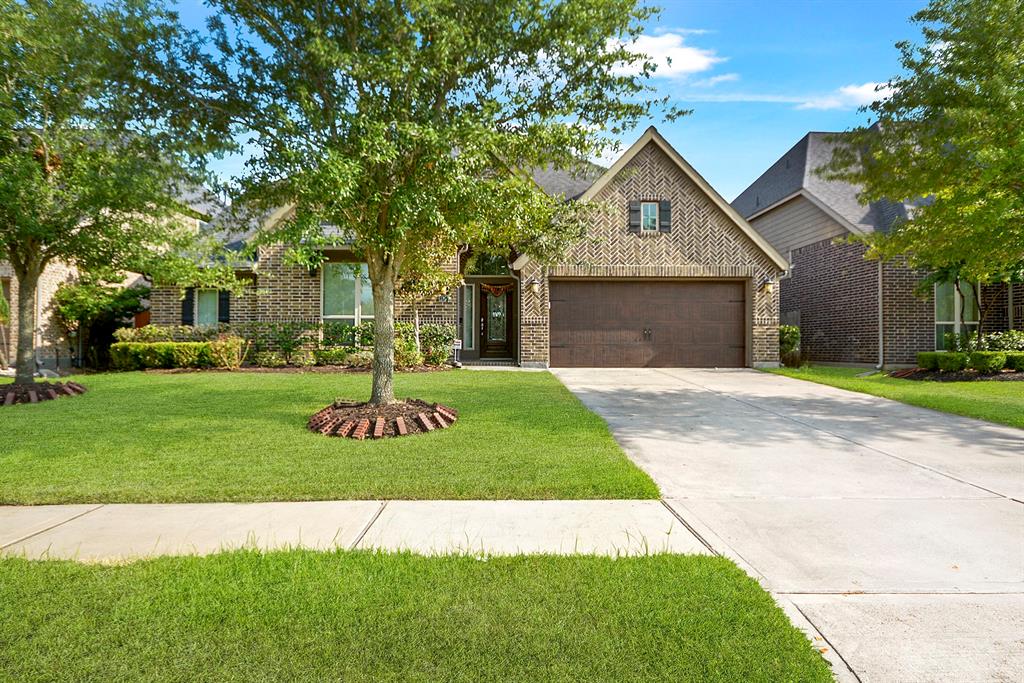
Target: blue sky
[758, 75]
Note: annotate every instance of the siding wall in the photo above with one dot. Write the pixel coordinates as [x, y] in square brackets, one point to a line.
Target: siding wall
[795, 224]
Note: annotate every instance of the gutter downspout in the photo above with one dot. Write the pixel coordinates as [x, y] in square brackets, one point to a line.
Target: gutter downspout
[881, 322]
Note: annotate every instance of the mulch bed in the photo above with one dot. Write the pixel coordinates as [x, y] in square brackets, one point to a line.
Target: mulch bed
[363, 421]
[315, 369]
[38, 392]
[921, 374]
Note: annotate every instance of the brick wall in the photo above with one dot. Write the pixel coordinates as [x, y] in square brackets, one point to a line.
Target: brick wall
[832, 294]
[534, 330]
[909, 318]
[53, 349]
[1018, 305]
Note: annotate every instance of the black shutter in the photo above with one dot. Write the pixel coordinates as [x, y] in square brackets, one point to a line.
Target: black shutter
[188, 307]
[664, 216]
[223, 306]
[634, 217]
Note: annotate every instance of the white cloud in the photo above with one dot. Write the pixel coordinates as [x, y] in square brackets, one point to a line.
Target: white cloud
[674, 58]
[848, 97]
[715, 80]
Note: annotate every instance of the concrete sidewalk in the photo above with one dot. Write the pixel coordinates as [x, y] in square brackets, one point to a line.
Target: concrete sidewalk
[116, 533]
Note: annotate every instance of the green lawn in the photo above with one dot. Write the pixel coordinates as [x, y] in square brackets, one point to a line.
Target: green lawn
[1001, 402]
[137, 437]
[364, 616]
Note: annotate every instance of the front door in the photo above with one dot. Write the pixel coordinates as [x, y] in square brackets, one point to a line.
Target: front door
[496, 317]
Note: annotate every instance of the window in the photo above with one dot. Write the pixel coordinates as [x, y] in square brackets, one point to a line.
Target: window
[467, 321]
[649, 216]
[207, 312]
[948, 309]
[347, 294]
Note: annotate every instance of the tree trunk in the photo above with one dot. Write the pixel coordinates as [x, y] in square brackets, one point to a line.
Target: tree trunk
[382, 278]
[25, 362]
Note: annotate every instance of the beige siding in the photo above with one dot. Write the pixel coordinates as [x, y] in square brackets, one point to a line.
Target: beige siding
[796, 223]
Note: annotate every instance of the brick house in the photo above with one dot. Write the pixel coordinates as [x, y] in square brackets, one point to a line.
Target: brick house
[672, 276]
[849, 309]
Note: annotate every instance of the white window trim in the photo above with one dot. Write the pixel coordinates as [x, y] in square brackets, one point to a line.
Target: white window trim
[358, 316]
[195, 306]
[958, 326]
[657, 215]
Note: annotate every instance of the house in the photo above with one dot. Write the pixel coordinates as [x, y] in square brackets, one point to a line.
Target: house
[849, 309]
[672, 276]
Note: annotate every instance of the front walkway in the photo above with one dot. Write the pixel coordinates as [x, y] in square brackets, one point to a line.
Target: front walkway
[111, 533]
[897, 531]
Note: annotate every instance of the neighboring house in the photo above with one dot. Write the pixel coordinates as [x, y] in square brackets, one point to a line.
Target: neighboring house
[53, 349]
[849, 309]
[673, 276]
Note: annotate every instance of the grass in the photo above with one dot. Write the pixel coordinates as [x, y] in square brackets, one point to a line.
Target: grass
[1001, 402]
[138, 437]
[299, 615]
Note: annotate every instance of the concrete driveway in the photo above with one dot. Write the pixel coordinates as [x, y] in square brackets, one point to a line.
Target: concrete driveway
[898, 532]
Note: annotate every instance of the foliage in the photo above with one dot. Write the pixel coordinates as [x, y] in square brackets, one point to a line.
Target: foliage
[410, 127]
[950, 137]
[288, 337]
[1010, 340]
[93, 157]
[331, 356]
[406, 353]
[146, 355]
[228, 351]
[952, 361]
[334, 334]
[360, 358]
[987, 362]
[789, 339]
[929, 360]
[269, 359]
[1015, 360]
[436, 343]
[5, 311]
[83, 303]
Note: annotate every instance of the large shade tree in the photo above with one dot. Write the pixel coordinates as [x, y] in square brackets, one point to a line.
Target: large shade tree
[408, 125]
[92, 164]
[950, 140]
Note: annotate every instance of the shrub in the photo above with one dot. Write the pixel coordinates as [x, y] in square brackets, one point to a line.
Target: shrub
[789, 339]
[288, 337]
[987, 362]
[1011, 340]
[1015, 360]
[436, 343]
[331, 356]
[406, 355]
[191, 354]
[144, 355]
[929, 360]
[952, 361]
[122, 356]
[228, 351]
[337, 334]
[268, 359]
[361, 358]
[303, 358]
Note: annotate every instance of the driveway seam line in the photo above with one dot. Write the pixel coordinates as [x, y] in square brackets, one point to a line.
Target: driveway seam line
[846, 438]
[689, 528]
[52, 526]
[830, 644]
[366, 529]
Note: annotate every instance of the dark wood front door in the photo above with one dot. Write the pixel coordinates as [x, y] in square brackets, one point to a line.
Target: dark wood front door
[648, 323]
[497, 317]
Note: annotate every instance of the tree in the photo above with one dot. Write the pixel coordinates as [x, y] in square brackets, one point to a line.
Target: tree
[91, 309]
[92, 160]
[950, 139]
[406, 124]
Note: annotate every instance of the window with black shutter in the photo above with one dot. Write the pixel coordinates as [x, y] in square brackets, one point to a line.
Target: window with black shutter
[188, 307]
[664, 216]
[224, 306]
[634, 217]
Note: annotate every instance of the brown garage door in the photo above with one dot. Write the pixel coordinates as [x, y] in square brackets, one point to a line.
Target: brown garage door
[647, 324]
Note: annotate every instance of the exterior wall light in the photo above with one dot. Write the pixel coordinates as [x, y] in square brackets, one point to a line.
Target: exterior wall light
[534, 285]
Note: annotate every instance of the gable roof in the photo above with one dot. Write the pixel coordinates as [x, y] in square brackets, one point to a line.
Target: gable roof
[651, 135]
[795, 174]
[569, 183]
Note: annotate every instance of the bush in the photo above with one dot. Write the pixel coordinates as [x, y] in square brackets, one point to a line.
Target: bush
[268, 359]
[336, 334]
[288, 337]
[145, 355]
[952, 361]
[436, 343]
[228, 351]
[361, 358]
[303, 358]
[1011, 340]
[929, 360]
[406, 355]
[331, 356]
[1015, 360]
[987, 362]
[789, 339]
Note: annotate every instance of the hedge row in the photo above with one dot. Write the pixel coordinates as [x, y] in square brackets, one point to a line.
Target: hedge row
[985, 362]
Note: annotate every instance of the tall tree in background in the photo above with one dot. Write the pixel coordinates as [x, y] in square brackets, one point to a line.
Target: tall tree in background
[950, 138]
[92, 165]
[403, 123]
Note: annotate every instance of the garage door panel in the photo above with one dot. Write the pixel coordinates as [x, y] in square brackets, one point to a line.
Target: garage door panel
[691, 324]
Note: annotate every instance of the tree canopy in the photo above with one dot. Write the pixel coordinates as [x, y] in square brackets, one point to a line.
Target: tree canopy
[410, 126]
[93, 163]
[950, 140]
